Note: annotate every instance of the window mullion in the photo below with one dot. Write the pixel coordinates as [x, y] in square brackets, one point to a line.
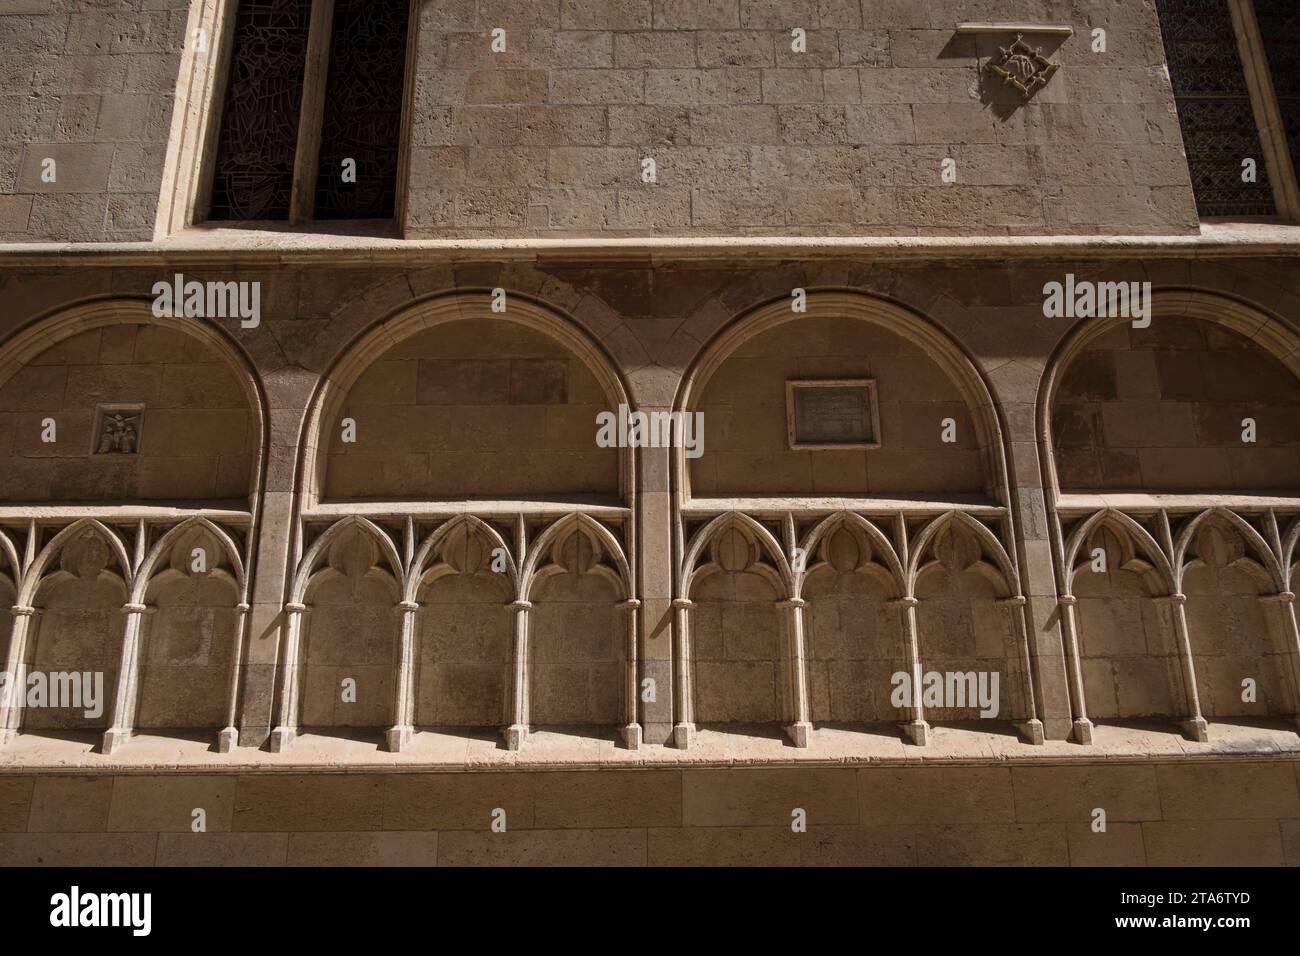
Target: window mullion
[315, 78]
[1268, 114]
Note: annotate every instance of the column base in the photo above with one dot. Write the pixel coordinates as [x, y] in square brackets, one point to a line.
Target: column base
[281, 738]
[398, 737]
[1196, 728]
[917, 731]
[227, 740]
[515, 735]
[1082, 732]
[632, 736]
[800, 732]
[115, 738]
[682, 734]
[1032, 731]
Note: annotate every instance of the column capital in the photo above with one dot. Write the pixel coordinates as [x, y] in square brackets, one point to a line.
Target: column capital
[683, 603]
[1067, 600]
[408, 605]
[792, 602]
[1176, 598]
[907, 601]
[22, 610]
[1282, 597]
[295, 608]
[519, 605]
[1016, 600]
[243, 606]
[135, 608]
[631, 604]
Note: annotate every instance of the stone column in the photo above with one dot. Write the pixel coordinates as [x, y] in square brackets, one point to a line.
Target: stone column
[631, 722]
[655, 562]
[399, 735]
[684, 728]
[122, 724]
[1031, 727]
[287, 729]
[1082, 728]
[917, 729]
[12, 699]
[288, 390]
[228, 738]
[517, 732]
[800, 726]
[1194, 726]
[1287, 600]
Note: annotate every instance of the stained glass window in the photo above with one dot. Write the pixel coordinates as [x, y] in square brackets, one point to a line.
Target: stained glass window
[363, 110]
[1279, 25]
[1214, 108]
[253, 169]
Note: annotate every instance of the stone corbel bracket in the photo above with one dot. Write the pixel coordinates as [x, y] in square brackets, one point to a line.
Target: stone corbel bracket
[1020, 65]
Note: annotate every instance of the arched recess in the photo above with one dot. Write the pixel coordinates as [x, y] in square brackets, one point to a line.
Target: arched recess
[1183, 384]
[340, 654]
[518, 410]
[852, 583]
[735, 575]
[1150, 424]
[1239, 643]
[899, 349]
[78, 585]
[1128, 650]
[463, 652]
[842, 336]
[194, 443]
[194, 584]
[968, 619]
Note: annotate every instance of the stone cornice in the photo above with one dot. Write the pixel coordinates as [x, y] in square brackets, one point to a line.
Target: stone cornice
[248, 247]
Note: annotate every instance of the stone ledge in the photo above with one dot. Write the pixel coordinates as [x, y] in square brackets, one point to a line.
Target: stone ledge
[249, 246]
[549, 750]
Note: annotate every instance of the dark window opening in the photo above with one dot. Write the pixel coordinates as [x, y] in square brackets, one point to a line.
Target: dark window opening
[1214, 109]
[257, 173]
[253, 170]
[363, 110]
[1279, 25]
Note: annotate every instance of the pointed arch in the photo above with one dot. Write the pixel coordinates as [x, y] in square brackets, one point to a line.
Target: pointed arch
[32, 579]
[434, 539]
[1121, 523]
[144, 574]
[307, 566]
[722, 522]
[1267, 559]
[9, 551]
[576, 521]
[830, 523]
[991, 546]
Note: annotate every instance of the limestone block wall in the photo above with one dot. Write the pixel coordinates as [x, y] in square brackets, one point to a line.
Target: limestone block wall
[1231, 811]
[749, 137]
[90, 86]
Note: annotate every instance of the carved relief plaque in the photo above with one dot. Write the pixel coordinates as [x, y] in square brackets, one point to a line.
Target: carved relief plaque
[832, 414]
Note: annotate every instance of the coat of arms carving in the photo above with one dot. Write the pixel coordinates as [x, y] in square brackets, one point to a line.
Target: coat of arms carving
[1023, 67]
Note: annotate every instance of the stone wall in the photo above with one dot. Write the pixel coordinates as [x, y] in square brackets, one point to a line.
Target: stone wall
[749, 137]
[90, 86]
[1231, 811]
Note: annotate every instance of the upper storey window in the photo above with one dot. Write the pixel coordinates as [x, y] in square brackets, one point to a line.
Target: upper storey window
[1279, 25]
[1239, 163]
[310, 124]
